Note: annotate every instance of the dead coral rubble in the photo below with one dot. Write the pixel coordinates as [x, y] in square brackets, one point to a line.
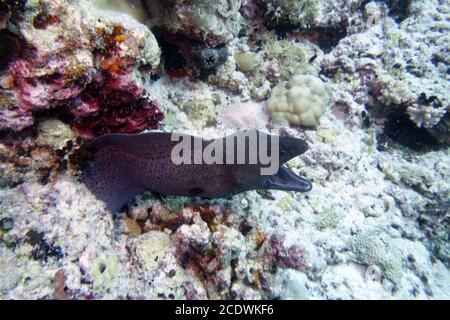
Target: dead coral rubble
[211, 243]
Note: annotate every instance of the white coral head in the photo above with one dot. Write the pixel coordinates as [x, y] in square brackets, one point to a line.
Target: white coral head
[425, 116]
[303, 100]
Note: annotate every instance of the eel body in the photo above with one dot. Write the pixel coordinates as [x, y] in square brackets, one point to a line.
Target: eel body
[123, 166]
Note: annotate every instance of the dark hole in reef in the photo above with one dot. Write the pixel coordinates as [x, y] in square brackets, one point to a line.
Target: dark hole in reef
[63, 166]
[440, 57]
[82, 155]
[41, 249]
[10, 48]
[312, 59]
[60, 152]
[11, 9]
[282, 31]
[42, 20]
[184, 259]
[172, 273]
[102, 267]
[4, 13]
[183, 56]
[4, 8]
[173, 59]
[34, 237]
[400, 129]
[44, 175]
[429, 101]
[6, 224]
[69, 145]
[398, 9]
[325, 37]
[245, 227]
[367, 122]
[53, 78]
[154, 77]
[17, 4]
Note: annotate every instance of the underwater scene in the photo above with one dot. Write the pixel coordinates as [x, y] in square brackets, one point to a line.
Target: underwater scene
[225, 149]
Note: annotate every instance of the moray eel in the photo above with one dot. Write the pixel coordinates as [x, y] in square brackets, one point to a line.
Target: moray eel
[123, 165]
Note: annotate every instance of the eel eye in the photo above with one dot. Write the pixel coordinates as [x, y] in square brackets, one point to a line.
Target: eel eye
[283, 153]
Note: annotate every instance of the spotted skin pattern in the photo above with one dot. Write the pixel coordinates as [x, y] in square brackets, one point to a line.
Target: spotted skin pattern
[127, 165]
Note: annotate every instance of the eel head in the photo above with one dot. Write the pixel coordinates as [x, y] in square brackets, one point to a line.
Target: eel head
[285, 179]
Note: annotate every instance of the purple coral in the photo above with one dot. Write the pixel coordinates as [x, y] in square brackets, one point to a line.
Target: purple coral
[280, 256]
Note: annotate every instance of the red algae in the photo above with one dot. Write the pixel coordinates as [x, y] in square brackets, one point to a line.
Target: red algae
[132, 117]
[80, 68]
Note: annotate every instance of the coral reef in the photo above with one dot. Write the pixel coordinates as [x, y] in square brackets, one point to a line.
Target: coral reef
[427, 112]
[370, 250]
[201, 111]
[131, 117]
[376, 223]
[409, 75]
[298, 13]
[323, 22]
[74, 56]
[301, 101]
[212, 22]
[246, 61]
[196, 253]
[54, 134]
[133, 8]
[184, 57]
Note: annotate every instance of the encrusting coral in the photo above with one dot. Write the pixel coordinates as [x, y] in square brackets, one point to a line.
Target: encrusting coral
[427, 112]
[301, 101]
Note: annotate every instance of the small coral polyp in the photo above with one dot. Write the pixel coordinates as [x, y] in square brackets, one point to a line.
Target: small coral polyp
[303, 100]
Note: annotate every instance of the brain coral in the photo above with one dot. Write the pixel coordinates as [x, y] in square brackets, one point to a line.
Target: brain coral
[300, 101]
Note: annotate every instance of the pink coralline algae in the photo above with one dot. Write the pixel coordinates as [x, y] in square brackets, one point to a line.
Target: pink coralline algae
[82, 61]
[278, 255]
[112, 104]
[132, 117]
